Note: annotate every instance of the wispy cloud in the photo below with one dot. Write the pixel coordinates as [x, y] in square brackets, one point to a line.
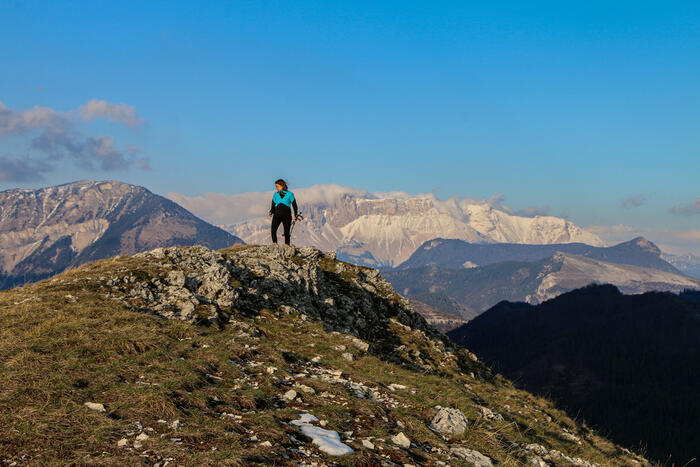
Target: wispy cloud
[14, 122]
[121, 112]
[633, 201]
[686, 209]
[533, 211]
[56, 135]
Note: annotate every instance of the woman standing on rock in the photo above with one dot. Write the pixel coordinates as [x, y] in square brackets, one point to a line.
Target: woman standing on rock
[281, 210]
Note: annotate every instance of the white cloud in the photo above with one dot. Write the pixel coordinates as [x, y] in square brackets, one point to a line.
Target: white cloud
[221, 209]
[14, 122]
[121, 112]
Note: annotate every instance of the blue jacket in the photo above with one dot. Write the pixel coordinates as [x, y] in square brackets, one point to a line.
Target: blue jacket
[282, 202]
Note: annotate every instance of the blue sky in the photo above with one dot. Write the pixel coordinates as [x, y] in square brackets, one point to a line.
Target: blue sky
[572, 107]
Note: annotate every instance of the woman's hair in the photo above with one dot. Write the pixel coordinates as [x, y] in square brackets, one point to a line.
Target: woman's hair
[283, 183]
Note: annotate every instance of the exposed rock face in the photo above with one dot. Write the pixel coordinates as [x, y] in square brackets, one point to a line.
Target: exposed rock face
[401, 440]
[385, 232]
[198, 285]
[475, 458]
[43, 232]
[449, 421]
[541, 456]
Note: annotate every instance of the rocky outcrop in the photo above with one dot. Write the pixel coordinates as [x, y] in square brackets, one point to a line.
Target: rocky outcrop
[45, 231]
[198, 285]
[474, 458]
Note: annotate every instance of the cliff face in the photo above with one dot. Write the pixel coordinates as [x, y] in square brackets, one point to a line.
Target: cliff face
[256, 356]
[45, 231]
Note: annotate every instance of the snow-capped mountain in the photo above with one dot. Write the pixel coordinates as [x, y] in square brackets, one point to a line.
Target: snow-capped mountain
[45, 231]
[382, 229]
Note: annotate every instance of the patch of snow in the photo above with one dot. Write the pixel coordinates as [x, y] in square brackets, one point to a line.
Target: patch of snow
[327, 441]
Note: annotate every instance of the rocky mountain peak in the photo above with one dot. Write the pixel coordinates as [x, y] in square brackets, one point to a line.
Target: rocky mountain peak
[47, 230]
[198, 285]
[645, 244]
[72, 202]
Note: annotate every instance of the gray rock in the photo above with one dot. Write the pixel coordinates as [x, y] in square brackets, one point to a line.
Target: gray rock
[449, 421]
[361, 345]
[401, 440]
[489, 414]
[176, 278]
[96, 406]
[474, 457]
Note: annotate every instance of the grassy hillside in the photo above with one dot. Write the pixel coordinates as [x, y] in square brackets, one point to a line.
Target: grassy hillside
[253, 343]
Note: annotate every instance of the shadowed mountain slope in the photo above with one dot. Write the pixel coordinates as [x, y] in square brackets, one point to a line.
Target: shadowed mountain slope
[627, 364]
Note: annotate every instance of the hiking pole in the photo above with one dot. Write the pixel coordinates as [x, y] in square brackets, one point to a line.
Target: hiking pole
[298, 217]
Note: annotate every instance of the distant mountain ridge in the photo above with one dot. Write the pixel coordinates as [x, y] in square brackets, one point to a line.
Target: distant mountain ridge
[383, 230]
[627, 364]
[45, 231]
[458, 254]
[687, 264]
[482, 287]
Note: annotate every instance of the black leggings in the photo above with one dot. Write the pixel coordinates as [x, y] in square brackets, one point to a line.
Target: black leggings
[286, 223]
